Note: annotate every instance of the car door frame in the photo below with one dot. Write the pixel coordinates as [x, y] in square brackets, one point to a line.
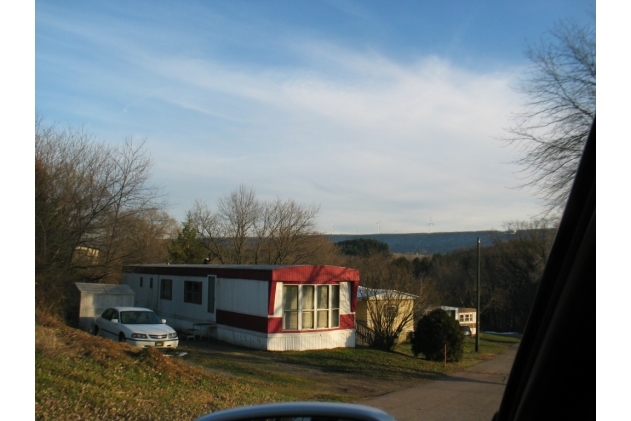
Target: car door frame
[549, 379]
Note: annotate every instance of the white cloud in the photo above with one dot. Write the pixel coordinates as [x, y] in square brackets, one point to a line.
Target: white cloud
[363, 135]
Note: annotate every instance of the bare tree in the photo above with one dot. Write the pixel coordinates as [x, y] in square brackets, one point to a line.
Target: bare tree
[285, 231]
[247, 230]
[146, 237]
[518, 265]
[90, 198]
[561, 106]
[210, 231]
[239, 212]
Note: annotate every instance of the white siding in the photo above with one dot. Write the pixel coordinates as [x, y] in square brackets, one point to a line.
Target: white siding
[278, 300]
[190, 312]
[178, 314]
[242, 337]
[242, 296]
[142, 294]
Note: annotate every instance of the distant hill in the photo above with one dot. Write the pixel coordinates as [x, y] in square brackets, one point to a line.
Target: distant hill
[438, 242]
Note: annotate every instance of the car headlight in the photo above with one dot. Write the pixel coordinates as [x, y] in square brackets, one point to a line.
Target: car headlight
[173, 335]
[139, 336]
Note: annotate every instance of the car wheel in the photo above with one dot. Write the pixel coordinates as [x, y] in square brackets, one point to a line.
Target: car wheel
[96, 331]
[121, 338]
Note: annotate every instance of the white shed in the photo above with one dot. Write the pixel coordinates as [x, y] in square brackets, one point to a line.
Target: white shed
[270, 307]
[94, 299]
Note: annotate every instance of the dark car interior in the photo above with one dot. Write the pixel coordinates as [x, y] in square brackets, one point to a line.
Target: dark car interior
[548, 379]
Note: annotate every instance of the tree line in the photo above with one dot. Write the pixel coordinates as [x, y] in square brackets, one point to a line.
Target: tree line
[510, 270]
[510, 267]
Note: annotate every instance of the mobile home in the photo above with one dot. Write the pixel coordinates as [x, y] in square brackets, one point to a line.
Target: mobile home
[270, 307]
[464, 315]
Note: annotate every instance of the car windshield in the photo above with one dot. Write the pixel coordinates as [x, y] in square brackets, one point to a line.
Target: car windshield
[138, 317]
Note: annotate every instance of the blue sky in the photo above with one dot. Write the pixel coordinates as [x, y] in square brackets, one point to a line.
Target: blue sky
[373, 110]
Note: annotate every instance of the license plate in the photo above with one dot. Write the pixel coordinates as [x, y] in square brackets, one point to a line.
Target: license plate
[159, 343]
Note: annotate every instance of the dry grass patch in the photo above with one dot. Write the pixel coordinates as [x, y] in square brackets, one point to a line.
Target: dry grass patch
[80, 377]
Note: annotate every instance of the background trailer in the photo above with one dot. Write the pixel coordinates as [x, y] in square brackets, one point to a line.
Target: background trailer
[271, 307]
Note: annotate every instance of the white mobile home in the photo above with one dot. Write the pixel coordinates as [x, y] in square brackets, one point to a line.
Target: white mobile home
[464, 315]
[271, 307]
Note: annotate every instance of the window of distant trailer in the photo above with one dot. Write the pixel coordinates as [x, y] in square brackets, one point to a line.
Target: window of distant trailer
[192, 292]
[466, 317]
[311, 307]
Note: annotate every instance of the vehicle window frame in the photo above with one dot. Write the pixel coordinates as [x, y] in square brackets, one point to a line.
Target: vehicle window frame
[107, 314]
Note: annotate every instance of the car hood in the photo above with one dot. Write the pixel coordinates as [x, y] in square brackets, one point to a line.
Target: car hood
[152, 329]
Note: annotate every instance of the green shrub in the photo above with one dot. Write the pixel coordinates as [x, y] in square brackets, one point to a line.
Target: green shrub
[433, 331]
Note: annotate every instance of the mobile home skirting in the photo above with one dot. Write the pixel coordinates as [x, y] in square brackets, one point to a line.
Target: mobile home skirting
[303, 341]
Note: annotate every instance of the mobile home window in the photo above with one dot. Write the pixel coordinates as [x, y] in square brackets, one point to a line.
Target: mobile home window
[290, 307]
[166, 289]
[141, 282]
[192, 292]
[308, 307]
[391, 312]
[323, 306]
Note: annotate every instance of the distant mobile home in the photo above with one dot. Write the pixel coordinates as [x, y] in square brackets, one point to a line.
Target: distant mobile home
[464, 315]
[269, 307]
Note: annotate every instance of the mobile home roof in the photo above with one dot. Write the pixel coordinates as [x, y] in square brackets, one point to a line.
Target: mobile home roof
[278, 273]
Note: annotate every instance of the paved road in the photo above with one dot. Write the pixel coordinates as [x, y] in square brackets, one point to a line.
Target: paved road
[470, 395]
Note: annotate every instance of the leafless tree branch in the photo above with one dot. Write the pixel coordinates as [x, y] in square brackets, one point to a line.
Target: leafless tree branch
[560, 108]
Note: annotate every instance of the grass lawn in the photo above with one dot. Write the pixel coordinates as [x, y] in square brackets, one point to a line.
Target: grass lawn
[79, 376]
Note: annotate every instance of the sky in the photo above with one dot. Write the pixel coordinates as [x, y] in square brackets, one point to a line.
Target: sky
[389, 116]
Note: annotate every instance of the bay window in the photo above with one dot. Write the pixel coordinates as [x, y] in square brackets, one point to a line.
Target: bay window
[311, 307]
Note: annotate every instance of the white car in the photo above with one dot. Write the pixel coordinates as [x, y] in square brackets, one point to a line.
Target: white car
[137, 326]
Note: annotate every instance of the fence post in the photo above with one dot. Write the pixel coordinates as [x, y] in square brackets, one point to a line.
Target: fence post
[445, 355]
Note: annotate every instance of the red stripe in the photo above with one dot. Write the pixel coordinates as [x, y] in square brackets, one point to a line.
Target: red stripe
[272, 324]
[275, 325]
[242, 321]
[347, 321]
